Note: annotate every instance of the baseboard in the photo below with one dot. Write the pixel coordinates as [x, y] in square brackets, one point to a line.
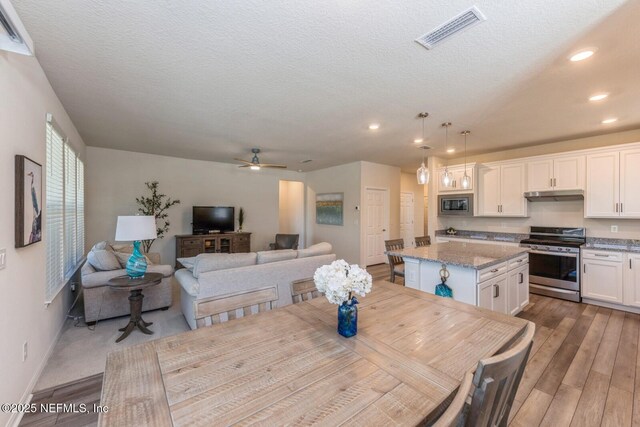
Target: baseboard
[611, 305]
[16, 417]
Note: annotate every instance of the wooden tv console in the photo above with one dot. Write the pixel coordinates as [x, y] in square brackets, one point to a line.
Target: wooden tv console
[189, 245]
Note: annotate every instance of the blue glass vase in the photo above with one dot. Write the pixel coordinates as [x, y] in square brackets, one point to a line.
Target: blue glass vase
[137, 263]
[348, 318]
[443, 290]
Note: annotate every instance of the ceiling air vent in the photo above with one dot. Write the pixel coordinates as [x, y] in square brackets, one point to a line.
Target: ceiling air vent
[466, 19]
[13, 36]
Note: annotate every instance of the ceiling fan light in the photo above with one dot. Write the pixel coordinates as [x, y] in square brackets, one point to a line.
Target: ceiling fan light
[254, 168]
[423, 174]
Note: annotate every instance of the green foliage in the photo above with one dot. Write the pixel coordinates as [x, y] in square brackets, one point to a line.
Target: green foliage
[241, 218]
[155, 205]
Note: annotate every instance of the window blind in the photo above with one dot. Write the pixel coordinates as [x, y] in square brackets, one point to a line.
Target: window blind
[54, 213]
[64, 211]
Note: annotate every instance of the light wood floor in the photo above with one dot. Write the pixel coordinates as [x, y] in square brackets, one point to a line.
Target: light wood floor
[584, 369]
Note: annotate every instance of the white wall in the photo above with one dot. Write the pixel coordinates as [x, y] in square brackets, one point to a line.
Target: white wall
[291, 209]
[115, 178]
[409, 184]
[374, 175]
[26, 97]
[339, 179]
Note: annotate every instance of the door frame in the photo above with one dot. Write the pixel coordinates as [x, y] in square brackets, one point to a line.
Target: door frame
[386, 222]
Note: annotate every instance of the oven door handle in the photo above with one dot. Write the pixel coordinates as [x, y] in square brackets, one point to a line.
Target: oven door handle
[564, 254]
[562, 291]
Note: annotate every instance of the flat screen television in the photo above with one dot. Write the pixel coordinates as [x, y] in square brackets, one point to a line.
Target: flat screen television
[208, 219]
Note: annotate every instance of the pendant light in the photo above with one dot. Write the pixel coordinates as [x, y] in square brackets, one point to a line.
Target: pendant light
[446, 175]
[466, 179]
[423, 173]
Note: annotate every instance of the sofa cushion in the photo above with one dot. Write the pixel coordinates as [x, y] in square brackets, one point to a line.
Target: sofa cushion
[189, 283]
[265, 257]
[213, 262]
[187, 263]
[323, 248]
[101, 278]
[103, 260]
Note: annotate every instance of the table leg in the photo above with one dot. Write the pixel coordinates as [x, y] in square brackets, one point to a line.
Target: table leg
[135, 302]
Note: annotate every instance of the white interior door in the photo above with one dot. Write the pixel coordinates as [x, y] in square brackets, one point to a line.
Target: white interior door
[376, 225]
[407, 219]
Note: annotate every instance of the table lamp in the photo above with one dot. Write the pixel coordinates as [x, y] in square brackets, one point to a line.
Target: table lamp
[136, 228]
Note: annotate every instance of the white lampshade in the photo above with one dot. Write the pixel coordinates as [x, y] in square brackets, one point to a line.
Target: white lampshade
[132, 228]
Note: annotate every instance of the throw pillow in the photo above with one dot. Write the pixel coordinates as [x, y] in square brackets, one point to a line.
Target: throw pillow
[103, 260]
[213, 262]
[123, 257]
[323, 248]
[265, 257]
[187, 263]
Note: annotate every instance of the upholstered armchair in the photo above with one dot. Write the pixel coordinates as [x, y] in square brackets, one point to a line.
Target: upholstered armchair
[285, 241]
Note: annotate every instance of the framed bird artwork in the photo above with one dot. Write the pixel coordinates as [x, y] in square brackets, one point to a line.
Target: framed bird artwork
[28, 221]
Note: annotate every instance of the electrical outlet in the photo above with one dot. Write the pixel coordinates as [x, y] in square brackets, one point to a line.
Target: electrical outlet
[25, 347]
[614, 228]
[3, 258]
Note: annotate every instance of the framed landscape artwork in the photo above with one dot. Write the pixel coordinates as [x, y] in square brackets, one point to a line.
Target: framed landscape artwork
[28, 221]
[329, 208]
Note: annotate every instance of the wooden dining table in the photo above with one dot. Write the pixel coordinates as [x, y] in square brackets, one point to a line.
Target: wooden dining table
[289, 366]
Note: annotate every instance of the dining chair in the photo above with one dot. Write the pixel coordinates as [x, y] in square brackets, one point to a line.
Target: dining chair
[303, 290]
[423, 241]
[285, 241]
[213, 308]
[396, 264]
[454, 414]
[496, 382]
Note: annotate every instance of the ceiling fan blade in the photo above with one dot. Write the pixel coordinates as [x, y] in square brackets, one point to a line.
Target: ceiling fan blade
[267, 165]
[245, 166]
[243, 161]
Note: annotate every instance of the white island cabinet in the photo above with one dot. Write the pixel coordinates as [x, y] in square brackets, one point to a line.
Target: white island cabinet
[495, 277]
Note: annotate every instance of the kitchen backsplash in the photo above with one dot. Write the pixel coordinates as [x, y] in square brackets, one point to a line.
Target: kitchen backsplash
[550, 214]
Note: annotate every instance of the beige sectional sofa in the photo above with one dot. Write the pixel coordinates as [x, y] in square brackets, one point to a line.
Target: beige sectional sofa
[209, 275]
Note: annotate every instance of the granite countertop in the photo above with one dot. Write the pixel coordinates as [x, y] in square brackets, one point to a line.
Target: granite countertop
[468, 255]
[484, 235]
[613, 245]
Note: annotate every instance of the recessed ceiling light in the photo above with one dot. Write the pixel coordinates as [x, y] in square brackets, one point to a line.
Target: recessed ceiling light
[451, 150]
[418, 141]
[610, 120]
[598, 97]
[582, 55]
[374, 126]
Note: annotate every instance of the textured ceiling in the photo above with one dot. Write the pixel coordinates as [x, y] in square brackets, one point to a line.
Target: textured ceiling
[303, 79]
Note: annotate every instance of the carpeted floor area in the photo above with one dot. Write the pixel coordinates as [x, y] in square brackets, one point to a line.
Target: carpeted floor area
[81, 352]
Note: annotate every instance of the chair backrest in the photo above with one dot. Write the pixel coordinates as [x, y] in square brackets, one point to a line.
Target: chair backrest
[392, 245]
[496, 381]
[303, 290]
[423, 241]
[212, 308]
[453, 416]
[287, 241]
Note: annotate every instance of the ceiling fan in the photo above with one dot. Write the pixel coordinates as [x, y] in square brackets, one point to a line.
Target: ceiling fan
[255, 164]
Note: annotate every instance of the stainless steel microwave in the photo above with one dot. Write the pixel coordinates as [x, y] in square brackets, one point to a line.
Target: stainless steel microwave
[455, 204]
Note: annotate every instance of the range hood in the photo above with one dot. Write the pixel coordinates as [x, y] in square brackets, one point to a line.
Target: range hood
[554, 195]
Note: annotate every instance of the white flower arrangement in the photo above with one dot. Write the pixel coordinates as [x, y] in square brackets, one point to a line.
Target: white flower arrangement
[339, 281]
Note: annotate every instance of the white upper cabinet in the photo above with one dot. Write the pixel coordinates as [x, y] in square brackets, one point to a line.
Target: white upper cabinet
[500, 190]
[630, 183]
[603, 185]
[561, 173]
[613, 178]
[455, 185]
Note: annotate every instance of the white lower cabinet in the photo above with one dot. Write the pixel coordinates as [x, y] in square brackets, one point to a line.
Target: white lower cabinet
[518, 283]
[602, 277]
[631, 280]
[492, 294]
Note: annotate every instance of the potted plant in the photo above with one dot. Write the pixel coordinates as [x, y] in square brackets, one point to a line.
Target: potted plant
[155, 205]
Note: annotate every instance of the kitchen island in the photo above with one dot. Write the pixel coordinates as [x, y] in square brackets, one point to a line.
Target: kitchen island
[490, 276]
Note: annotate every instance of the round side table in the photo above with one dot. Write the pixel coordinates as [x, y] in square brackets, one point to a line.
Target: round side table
[135, 287]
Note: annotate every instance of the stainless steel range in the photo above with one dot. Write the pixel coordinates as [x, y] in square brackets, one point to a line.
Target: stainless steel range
[554, 261]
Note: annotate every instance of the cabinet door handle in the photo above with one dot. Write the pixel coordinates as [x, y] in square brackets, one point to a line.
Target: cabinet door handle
[616, 207]
[620, 207]
[521, 278]
[495, 270]
[602, 255]
[555, 183]
[496, 291]
[630, 264]
[584, 268]
[550, 182]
